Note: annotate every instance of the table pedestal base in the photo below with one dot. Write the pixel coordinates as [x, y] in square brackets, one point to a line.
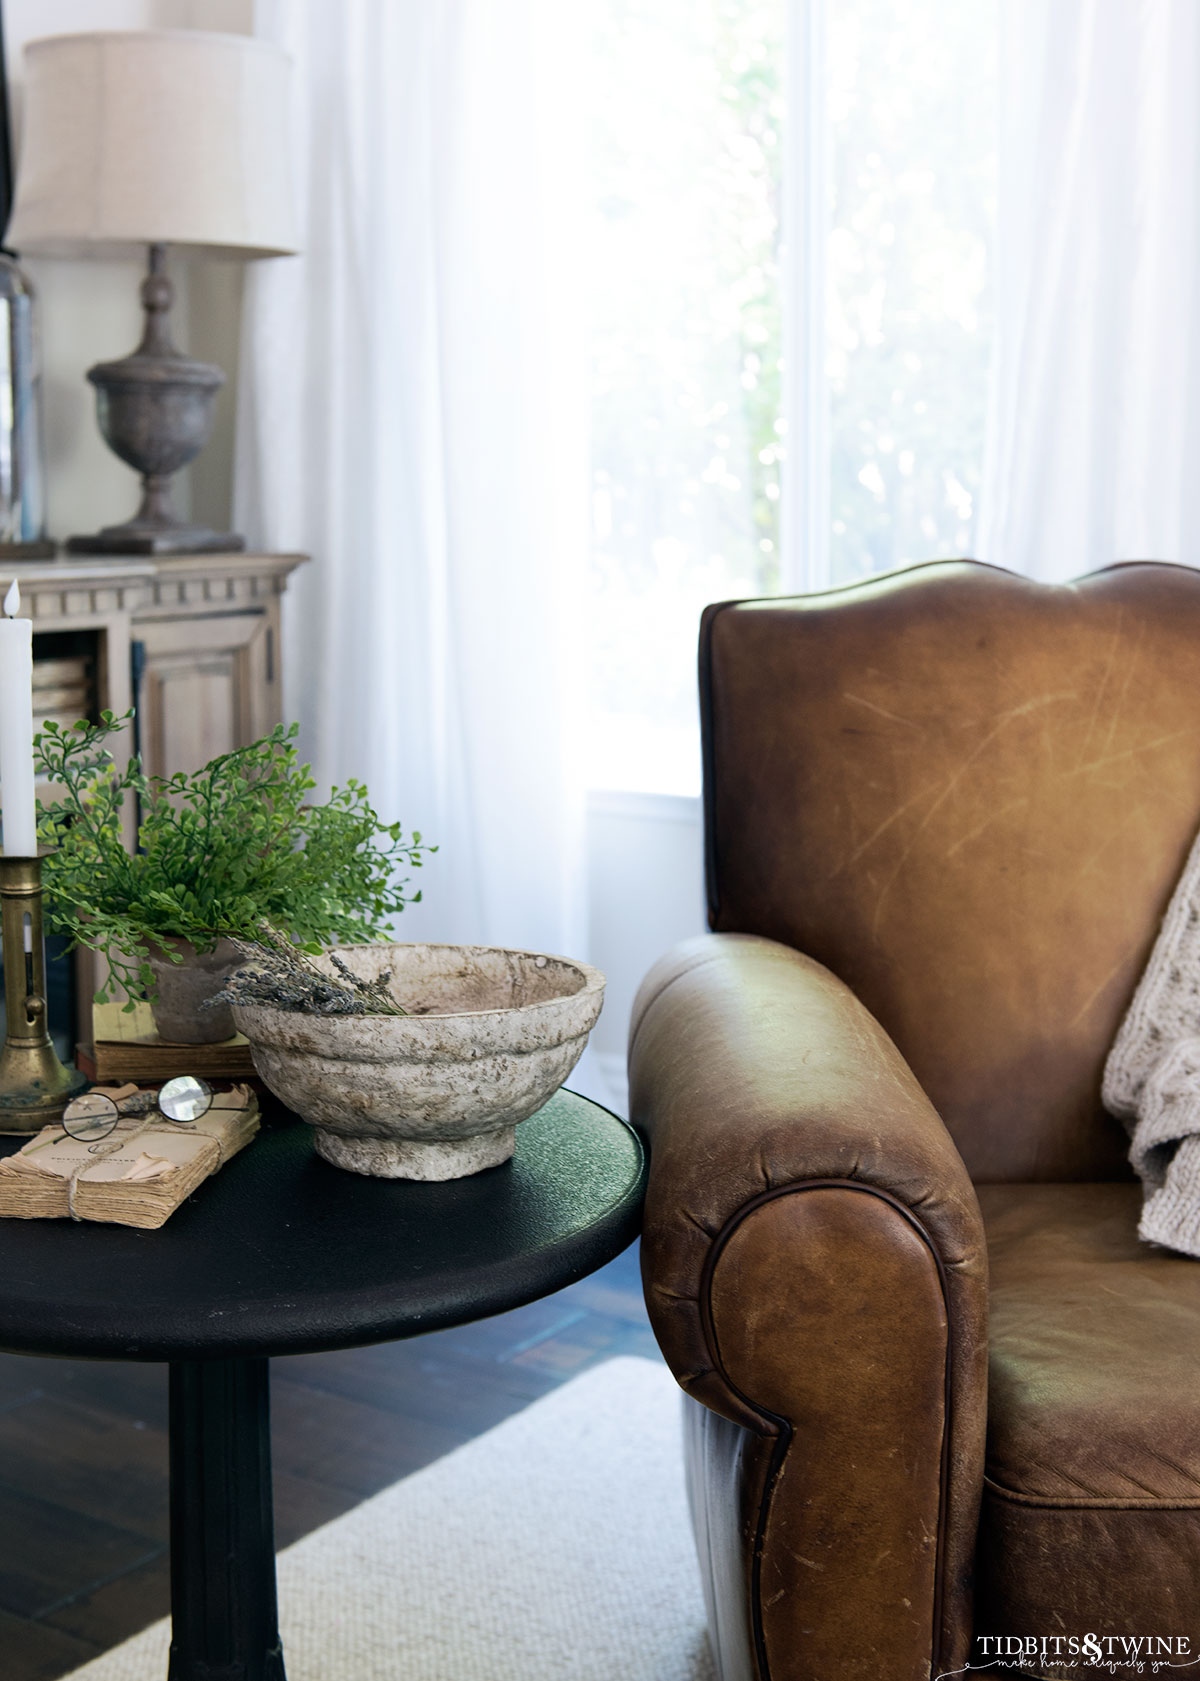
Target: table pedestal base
[224, 1617]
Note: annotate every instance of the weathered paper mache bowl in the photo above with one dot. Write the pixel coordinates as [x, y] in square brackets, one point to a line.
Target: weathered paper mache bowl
[437, 1093]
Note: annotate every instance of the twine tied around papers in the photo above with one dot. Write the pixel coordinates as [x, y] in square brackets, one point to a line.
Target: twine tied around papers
[118, 1141]
[109, 1148]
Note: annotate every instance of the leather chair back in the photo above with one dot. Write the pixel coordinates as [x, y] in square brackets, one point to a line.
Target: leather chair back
[970, 795]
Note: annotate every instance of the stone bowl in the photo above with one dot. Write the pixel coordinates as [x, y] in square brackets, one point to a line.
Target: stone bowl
[438, 1093]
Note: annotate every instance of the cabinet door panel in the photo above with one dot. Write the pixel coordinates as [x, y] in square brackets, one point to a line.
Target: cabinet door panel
[204, 688]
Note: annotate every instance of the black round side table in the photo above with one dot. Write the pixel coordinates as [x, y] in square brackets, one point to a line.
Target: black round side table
[281, 1253]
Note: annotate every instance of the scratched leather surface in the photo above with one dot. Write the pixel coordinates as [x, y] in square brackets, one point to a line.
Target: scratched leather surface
[815, 1273]
[969, 795]
[1091, 1508]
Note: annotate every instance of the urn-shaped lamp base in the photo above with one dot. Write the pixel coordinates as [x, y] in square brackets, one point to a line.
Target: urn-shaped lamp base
[155, 410]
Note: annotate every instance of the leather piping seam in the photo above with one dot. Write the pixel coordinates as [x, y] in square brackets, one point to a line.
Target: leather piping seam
[784, 1429]
[708, 760]
[1090, 1503]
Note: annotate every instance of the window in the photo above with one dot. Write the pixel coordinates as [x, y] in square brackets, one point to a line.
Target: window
[911, 125]
[692, 160]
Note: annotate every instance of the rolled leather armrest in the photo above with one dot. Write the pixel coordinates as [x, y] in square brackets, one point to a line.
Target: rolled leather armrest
[816, 1274]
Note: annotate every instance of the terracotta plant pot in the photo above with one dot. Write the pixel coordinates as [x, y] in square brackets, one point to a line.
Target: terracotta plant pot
[438, 1093]
[183, 987]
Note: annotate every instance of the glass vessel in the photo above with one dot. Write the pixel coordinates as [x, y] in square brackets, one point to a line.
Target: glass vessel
[22, 466]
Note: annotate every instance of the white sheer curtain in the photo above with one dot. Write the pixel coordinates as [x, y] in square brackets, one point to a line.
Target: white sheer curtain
[411, 413]
[1095, 428]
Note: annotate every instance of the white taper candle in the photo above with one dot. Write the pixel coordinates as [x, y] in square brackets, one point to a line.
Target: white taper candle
[18, 808]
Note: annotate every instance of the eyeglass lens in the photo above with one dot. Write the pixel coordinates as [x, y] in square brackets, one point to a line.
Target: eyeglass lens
[185, 1098]
[90, 1116]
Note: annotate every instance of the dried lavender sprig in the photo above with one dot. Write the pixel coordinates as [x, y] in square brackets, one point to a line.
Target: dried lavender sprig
[280, 975]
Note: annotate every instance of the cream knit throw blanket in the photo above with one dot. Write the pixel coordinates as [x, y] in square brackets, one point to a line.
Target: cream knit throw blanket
[1152, 1076]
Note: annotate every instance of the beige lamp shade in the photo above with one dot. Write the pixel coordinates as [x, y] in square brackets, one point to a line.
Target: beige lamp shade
[145, 137]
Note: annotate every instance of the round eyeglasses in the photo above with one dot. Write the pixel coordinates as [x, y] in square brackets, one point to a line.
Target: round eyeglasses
[94, 1115]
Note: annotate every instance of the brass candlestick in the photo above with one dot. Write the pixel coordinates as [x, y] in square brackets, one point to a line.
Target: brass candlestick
[34, 1085]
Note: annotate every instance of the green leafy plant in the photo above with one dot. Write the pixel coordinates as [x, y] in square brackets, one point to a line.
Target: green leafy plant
[220, 852]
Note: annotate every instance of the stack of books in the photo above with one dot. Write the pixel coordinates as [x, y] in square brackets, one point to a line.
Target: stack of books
[141, 1180]
[63, 690]
[125, 1046]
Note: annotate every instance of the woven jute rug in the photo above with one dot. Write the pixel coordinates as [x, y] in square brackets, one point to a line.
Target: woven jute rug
[554, 1548]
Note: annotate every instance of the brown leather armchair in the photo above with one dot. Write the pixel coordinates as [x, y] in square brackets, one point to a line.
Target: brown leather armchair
[945, 811]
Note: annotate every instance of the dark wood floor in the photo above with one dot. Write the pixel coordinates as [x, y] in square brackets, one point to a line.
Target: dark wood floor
[83, 1453]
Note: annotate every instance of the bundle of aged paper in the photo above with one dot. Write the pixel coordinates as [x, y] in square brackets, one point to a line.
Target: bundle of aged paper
[137, 1176]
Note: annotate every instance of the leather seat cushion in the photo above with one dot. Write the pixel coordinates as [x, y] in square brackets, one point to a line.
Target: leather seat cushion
[1091, 1519]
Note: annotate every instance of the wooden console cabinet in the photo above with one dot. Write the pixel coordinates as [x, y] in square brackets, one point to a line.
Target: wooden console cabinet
[191, 641]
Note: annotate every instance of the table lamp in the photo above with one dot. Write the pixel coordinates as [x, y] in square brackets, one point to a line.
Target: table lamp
[155, 138]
